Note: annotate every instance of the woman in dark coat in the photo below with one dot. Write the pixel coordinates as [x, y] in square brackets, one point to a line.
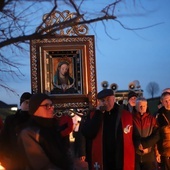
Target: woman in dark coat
[42, 145]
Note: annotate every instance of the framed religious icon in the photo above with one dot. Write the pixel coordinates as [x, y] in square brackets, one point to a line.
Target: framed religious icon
[64, 68]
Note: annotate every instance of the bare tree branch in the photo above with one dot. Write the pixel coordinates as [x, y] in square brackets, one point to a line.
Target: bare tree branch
[15, 29]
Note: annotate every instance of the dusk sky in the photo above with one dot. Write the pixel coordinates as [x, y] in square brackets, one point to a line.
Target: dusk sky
[125, 55]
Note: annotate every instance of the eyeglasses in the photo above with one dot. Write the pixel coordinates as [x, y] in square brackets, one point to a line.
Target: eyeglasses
[48, 106]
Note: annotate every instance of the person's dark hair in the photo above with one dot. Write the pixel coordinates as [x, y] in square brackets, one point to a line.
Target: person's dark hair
[25, 96]
[164, 94]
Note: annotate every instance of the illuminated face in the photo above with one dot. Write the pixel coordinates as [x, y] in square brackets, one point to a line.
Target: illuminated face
[108, 102]
[45, 110]
[141, 107]
[63, 69]
[132, 101]
[166, 101]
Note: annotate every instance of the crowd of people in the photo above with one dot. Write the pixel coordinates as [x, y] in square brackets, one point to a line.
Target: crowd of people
[112, 136]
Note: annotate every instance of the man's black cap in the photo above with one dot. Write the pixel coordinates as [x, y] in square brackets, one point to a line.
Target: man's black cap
[104, 93]
[25, 96]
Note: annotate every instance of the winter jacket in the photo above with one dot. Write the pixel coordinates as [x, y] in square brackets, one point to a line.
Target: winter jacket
[43, 147]
[8, 140]
[146, 132]
[163, 118]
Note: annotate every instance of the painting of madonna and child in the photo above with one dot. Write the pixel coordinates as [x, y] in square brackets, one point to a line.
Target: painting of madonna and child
[66, 78]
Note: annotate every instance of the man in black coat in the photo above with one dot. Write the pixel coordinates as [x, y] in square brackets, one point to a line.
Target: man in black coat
[108, 132]
[163, 118]
[10, 157]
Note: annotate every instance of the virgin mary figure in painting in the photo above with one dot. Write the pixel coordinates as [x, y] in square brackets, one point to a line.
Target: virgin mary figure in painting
[63, 83]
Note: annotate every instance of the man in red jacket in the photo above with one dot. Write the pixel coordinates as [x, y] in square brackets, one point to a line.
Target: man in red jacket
[146, 135]
[108, 131]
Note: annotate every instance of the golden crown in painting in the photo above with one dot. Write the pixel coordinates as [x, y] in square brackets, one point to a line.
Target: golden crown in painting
[65, 59]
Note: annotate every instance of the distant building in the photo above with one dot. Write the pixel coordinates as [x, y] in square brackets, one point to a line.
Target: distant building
[122, 95]
[12, 107]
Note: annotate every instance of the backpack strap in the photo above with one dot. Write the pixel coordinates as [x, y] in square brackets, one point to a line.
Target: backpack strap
[165, 118]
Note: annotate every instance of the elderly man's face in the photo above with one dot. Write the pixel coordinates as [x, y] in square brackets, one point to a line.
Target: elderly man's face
[108, 102]
[141, 107]
[166, 101]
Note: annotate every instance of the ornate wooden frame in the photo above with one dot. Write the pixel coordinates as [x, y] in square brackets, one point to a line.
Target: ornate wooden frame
[41, 74]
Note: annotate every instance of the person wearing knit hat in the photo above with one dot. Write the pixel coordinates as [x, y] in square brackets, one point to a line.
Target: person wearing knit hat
[25, 96]
[12, 126]
[130, 106]
[36, 100]
[42, 145]
[132, 94]
[24, 101]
